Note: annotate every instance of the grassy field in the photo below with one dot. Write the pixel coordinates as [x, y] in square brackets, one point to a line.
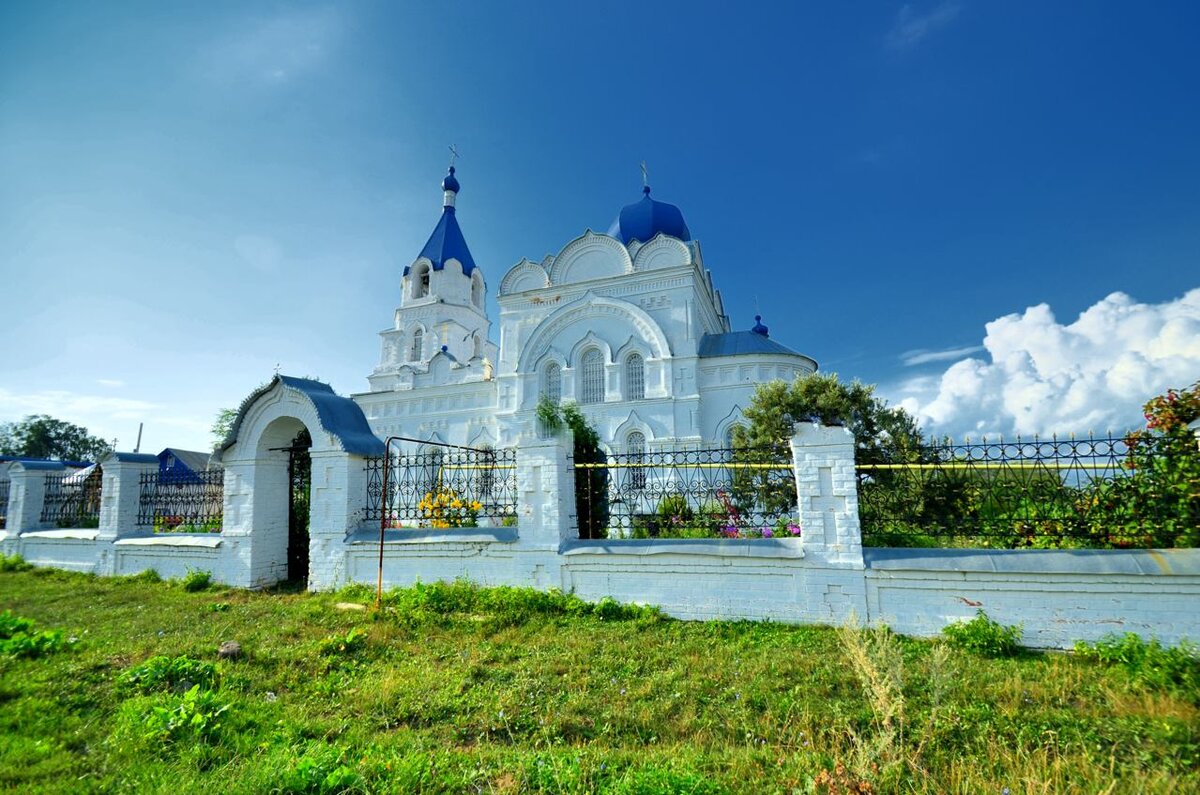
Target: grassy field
[454, 689]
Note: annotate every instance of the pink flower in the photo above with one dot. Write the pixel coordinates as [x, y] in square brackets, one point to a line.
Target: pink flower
[767, 533]
[793, 528]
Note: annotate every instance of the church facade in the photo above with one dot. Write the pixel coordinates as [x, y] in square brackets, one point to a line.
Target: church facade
[627, 324]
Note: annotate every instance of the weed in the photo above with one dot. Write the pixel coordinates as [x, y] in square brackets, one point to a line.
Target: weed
[197, 715]
[877, 660]
[17, 638]
[319, 772]
[983, 636]
[196, 580]
[175, 675]
[344, 645]
[1148, 663]
[219, 607]
[14, 562]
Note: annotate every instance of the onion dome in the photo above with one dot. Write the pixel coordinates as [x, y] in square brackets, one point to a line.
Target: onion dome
[447, 241]
[759, 328]
[450, 183]
[644, 219]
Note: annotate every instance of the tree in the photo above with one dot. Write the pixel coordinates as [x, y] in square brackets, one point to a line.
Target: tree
[222, 425]
[591, 483]
[42, 436]
[881, 434]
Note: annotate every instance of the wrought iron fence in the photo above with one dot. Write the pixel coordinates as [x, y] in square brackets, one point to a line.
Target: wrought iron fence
[444, 487]
[73, 500]
[1108, 492]
[4, 489]
[182, 502]
[704, 493]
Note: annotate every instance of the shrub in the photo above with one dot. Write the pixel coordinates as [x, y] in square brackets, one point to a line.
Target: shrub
[174, 675]
[14, 562]
[321, 772]
[1149, 663]
[591, 485]
[344, 645]
[17, 638]
[981, 635]
[196, 580]
[197, 715]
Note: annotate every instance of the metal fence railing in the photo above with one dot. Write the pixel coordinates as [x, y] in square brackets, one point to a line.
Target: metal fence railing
[179, 502]
[443, 488]
[73, 500]
[1103, 492]
[5, 486]
[703, 493]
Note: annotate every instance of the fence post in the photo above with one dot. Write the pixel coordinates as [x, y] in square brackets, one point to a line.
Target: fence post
[834, 584]
[120, 497]
[339, 481]
[27, 494]
[546, 491]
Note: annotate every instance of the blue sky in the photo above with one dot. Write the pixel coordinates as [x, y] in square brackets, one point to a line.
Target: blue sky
[193, 194]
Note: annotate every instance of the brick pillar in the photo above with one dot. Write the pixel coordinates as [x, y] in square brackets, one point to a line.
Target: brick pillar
[834, 585]
[120, 494]
[120, 499]
[546, 492]
[339, 490]
[26, 494]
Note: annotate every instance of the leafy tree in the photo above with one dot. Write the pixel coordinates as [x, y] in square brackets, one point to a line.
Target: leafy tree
[882, 434]
[222, 425]
[42, 436]
[591, 484]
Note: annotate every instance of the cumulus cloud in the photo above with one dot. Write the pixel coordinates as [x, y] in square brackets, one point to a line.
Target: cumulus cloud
[910, 27]
[1041, 376]
[922, 356]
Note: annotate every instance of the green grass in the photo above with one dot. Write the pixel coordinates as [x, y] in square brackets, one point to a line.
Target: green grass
[456, 689]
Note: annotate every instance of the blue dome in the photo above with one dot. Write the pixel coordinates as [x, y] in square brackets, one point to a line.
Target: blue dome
[644, 219]
[759, 328]
[450, 183]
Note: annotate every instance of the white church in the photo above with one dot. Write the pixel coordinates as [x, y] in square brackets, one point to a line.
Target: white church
[627, 324]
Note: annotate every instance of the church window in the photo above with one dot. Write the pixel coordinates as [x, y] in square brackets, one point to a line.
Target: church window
[635, 377]
[420, 281]
[477, 290]
[635, 444]
[592, 390]
[478, 344]
[418, 345]
[552, 383]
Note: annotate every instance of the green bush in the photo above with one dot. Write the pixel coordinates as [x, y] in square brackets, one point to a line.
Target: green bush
[195, 716]
[1148, 663]
[14, 563]
[196, 580]
[17, 638]
[981, 635]
[349, 644]
[174, 675]
[320, 772]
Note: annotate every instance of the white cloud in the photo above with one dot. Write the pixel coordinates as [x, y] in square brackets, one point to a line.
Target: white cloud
[276, 49]
[910, 27]
[922, 356]
[111, 383]
[1041, 376]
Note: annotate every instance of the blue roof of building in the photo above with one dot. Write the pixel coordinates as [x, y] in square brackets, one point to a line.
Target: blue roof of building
[644, 219]
[447, 241]
[741, 343]
[339, 416]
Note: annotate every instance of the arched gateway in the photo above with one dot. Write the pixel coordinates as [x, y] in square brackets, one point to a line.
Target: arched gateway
[293, 472]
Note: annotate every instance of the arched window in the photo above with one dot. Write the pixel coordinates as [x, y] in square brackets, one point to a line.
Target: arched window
[552, 383]
[477, 290]
[420, 280]
[635, 377]
[418, 345]
[477, 342]
[635, 444]
[592, 386]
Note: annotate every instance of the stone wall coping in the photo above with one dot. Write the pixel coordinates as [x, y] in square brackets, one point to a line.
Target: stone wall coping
[210, 540]
[80, 533]
[131, 458]
[1177, 562]
[457, 535]
[779, 548]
